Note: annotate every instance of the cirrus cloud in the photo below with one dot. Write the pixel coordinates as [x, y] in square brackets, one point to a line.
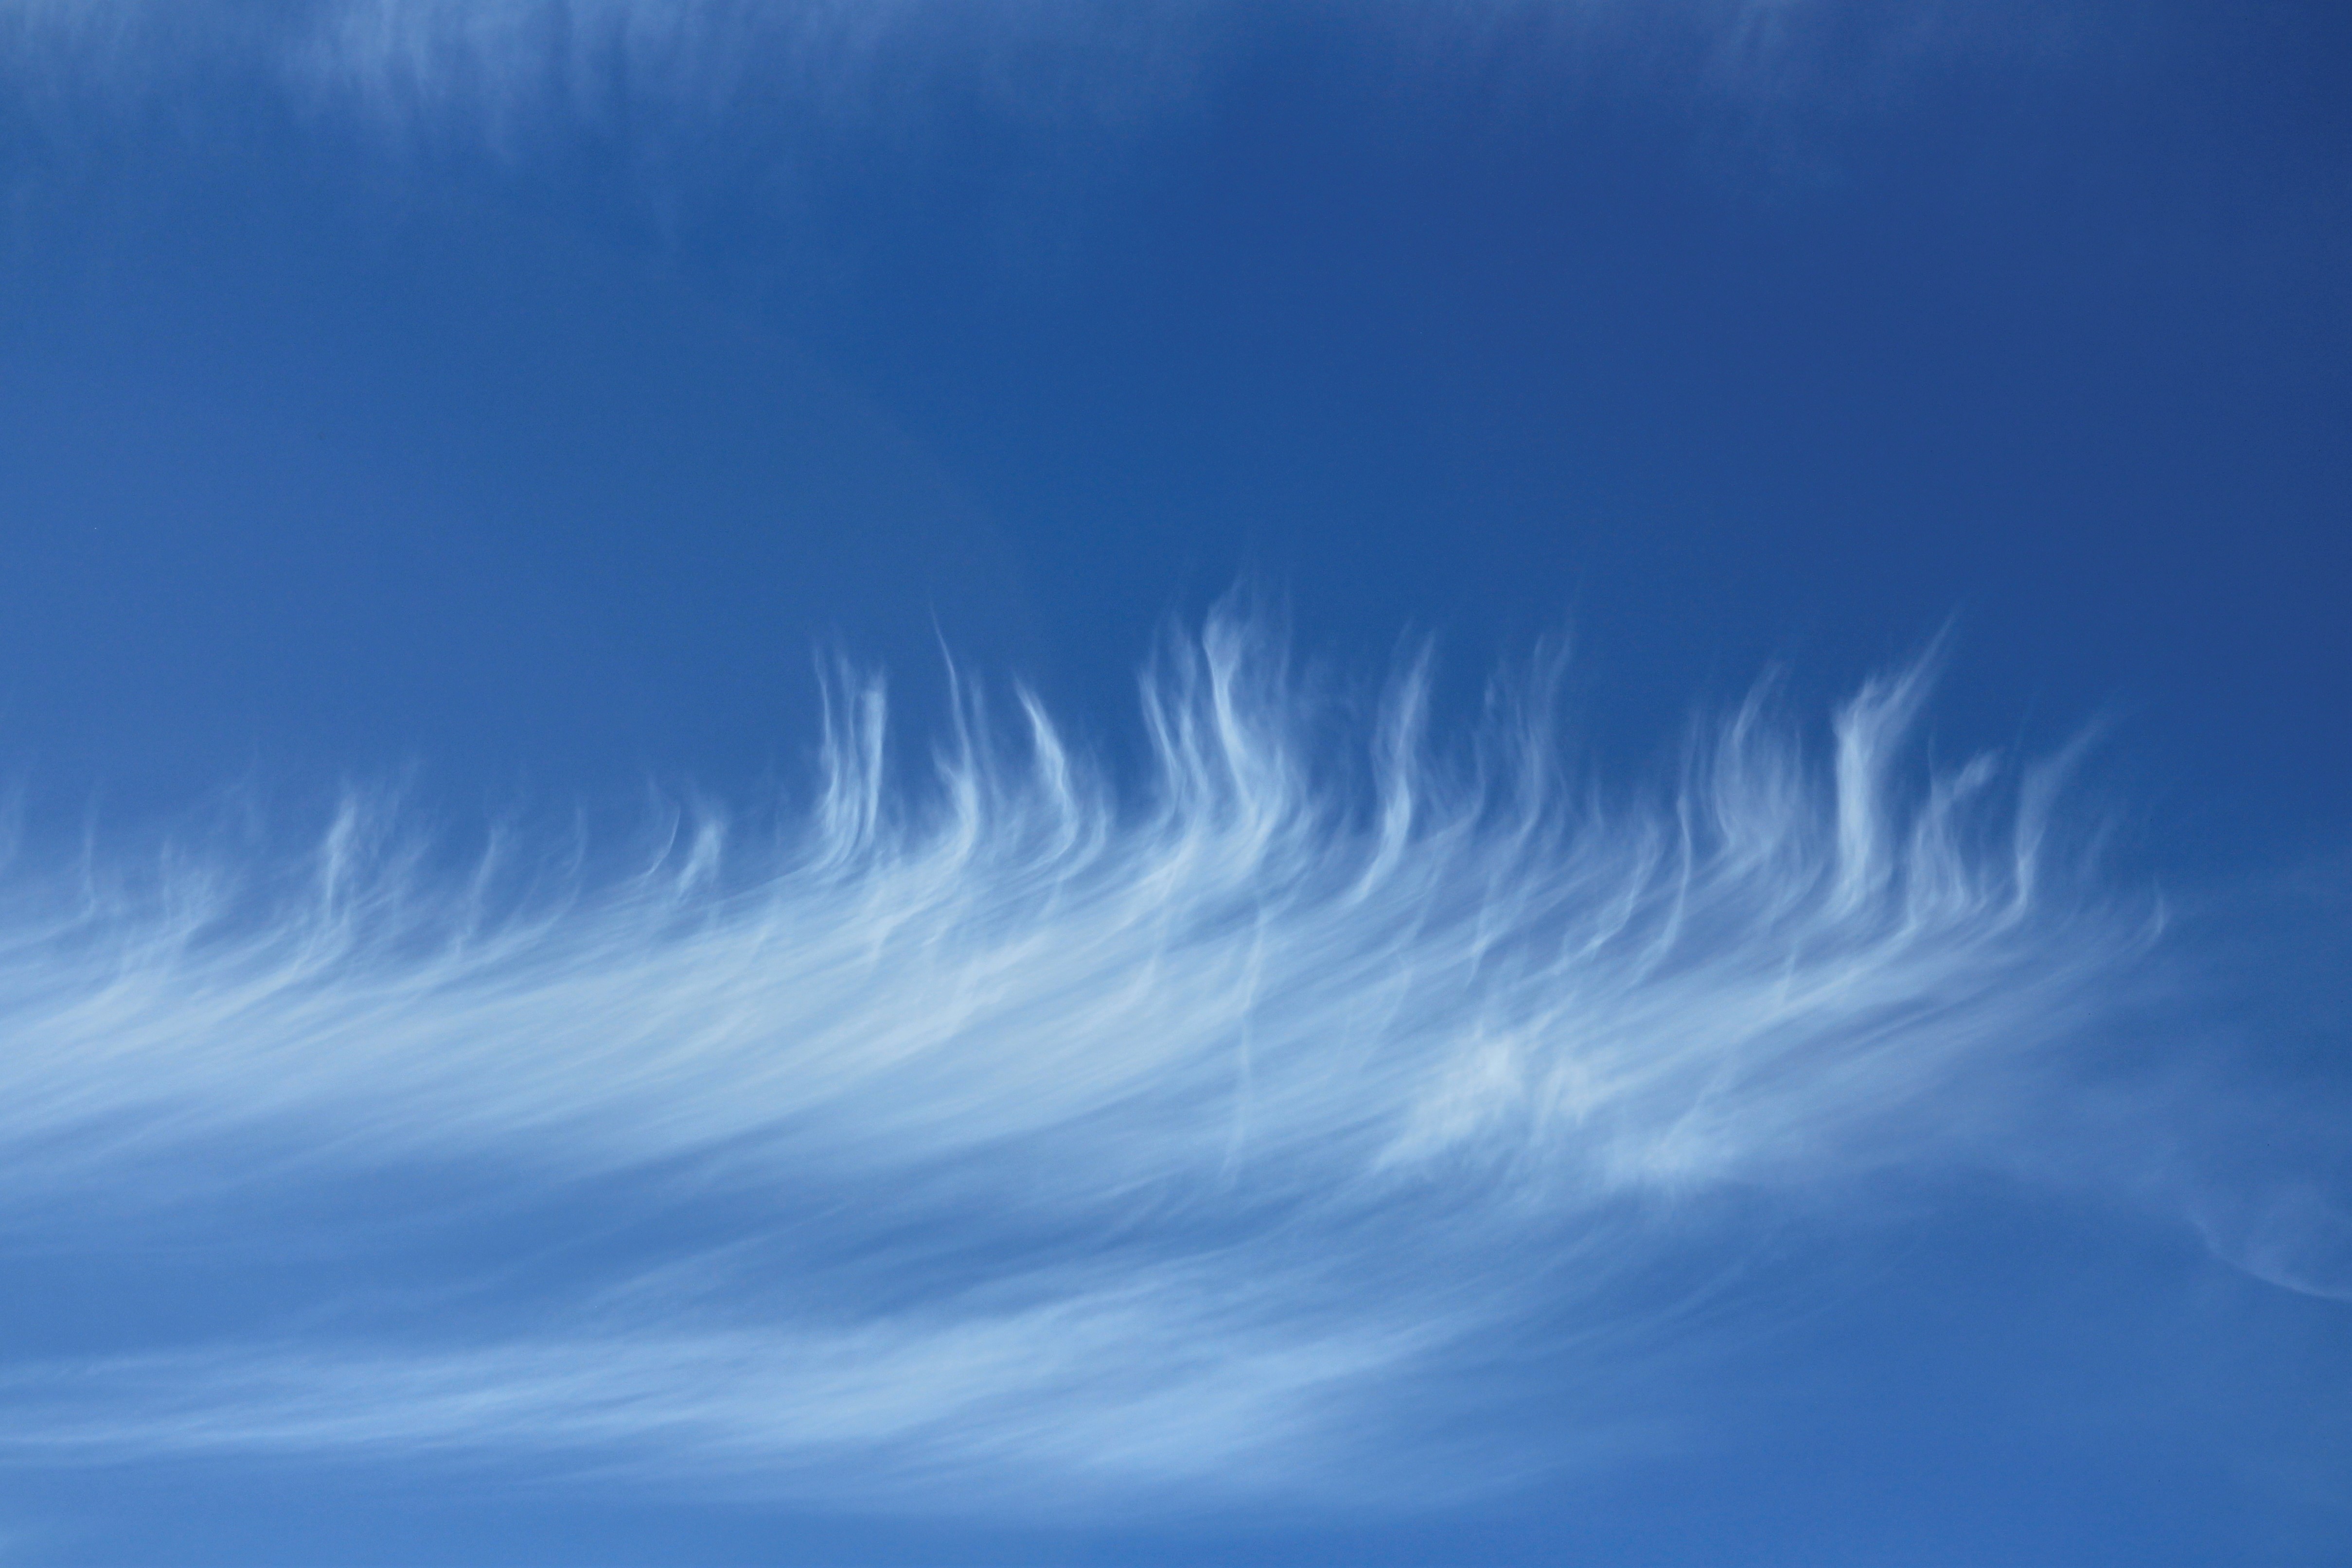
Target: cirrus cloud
[1024, 1135]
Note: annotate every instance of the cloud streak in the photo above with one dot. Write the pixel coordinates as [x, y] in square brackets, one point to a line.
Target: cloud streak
[1022, 1137]
[517, 75]
[685, 79]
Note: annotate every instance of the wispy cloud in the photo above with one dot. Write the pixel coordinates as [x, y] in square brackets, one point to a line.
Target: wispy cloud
[511, 74]
[1021, 1131]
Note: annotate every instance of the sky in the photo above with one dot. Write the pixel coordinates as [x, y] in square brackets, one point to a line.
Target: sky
[889, 781]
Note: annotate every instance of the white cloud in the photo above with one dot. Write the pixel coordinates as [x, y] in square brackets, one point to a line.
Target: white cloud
[512, 74]
[1038, 1134]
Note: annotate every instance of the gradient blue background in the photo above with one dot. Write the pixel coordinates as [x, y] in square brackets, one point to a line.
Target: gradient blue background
[534, 472]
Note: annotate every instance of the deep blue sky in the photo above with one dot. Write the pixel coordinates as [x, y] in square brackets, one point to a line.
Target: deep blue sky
[526, 442]
[328, 454]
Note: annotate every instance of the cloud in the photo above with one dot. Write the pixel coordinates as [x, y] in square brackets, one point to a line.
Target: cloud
[1020, 1135]
[2294, 1237]
[514, 76]
[663, 76]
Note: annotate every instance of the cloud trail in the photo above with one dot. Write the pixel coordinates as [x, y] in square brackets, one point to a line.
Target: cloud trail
[1025, 1135]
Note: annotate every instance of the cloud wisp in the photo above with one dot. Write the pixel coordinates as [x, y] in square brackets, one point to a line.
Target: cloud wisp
[1024, 1135]
[654, 77]
[683, 81]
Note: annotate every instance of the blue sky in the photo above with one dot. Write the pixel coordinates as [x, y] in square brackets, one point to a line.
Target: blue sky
[1526, 780]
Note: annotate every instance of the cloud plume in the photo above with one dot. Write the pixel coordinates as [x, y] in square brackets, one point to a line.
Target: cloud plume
[1020, 1132]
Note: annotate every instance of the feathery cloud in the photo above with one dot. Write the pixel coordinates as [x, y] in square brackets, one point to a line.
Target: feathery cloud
[1025, 1131]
